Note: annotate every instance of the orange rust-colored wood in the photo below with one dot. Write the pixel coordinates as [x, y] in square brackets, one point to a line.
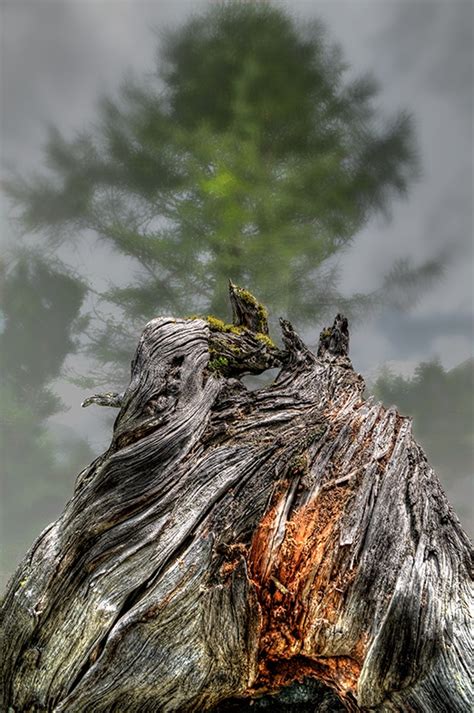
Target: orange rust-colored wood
[301, 577]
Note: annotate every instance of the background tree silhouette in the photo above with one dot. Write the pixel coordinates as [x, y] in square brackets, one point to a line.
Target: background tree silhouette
[39, 307]
[249, 156]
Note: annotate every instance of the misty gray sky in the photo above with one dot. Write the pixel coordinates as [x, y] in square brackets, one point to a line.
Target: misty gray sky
[58, 56]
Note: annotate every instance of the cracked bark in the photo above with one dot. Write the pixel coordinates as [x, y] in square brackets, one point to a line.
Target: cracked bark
[230, 544]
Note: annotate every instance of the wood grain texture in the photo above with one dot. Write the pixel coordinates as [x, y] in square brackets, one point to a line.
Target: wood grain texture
[231, 542]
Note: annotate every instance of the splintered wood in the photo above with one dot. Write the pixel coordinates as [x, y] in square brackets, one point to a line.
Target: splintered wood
[232, 542]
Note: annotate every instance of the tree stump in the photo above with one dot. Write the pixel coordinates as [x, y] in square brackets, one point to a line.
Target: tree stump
[230, 543]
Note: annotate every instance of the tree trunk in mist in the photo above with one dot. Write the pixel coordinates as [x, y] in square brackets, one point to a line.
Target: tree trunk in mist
[230, 543]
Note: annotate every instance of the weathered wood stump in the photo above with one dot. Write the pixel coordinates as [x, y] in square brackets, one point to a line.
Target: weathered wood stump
[231, 542]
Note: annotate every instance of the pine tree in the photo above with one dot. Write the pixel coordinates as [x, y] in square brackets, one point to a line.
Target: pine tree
[250, 156]
[40, 305]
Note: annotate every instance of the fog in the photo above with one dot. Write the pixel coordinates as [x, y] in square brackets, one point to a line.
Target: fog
[59, 57]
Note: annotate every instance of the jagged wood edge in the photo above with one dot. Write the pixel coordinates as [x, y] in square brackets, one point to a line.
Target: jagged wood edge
[293, 531]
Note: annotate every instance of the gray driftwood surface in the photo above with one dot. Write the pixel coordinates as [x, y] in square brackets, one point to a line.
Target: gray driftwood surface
[231, 542]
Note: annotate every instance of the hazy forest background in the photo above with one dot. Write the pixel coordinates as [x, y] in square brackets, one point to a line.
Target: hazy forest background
[319, 154]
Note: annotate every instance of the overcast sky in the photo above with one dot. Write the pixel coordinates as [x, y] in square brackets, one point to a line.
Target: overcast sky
[59, 56]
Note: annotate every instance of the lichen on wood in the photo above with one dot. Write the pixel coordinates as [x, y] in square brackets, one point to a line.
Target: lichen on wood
[232, 543]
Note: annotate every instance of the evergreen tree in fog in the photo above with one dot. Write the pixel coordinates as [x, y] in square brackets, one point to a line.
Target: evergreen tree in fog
[39, 308]
[249, 156]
